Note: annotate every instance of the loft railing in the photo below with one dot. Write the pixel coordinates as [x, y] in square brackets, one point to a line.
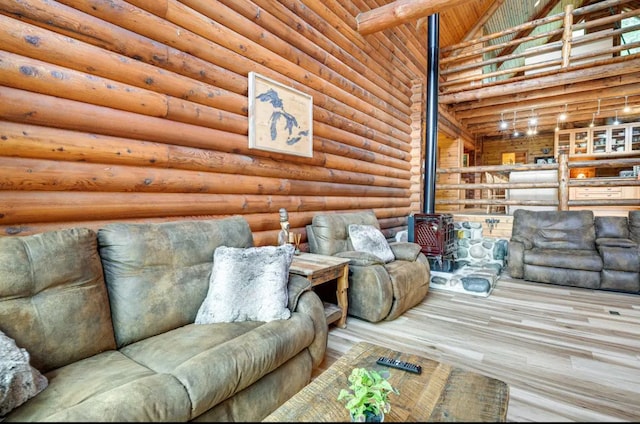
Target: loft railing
[563, 183]
[488, 59]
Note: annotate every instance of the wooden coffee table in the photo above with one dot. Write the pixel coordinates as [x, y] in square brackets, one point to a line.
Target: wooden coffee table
[441, 393]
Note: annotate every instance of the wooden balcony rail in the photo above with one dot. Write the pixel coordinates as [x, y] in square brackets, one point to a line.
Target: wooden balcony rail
[563, 183]
[489, 59]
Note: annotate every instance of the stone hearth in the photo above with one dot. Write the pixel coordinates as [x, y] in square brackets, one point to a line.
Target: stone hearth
[477, 263]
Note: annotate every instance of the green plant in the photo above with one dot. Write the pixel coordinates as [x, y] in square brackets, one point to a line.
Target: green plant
[367, 394]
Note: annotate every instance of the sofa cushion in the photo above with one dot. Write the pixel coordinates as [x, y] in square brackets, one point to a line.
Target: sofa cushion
[158, 274]
[215, 361]
[247, 285]
[559, 239]
[586, 260]
[555, 229]
[367, 238]
[54, 283]
[107, 387]
[19, 381]
[612, 227]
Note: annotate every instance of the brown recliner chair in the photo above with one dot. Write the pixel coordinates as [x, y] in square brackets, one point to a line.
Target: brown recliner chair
[377, 290]
[620, 260]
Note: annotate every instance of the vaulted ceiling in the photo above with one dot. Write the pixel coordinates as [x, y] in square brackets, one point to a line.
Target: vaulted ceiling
[587, 93]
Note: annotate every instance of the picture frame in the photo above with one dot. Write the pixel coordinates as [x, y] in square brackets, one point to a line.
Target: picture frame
[280, 117]
[465, 159]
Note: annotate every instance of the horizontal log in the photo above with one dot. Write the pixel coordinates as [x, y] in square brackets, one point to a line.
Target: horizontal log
[56, 49]
[45, 175]
[348, 61]
[37, 76]
[22, 106]
[265, 227]
[312, 59]
[340, 24]
[19, 207]
[572, 76]
[183, 28]
[31, 141]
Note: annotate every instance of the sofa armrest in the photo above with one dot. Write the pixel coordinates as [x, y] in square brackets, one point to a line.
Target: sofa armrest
[297, 285]
[360, 258]
[311, 305]
[515, 259]
[405, 251]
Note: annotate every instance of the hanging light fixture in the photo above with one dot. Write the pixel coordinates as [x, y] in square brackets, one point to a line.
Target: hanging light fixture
[557, 125]
[626, 109]
[563, 115]
[615, 121]
[503, 123]
[533, 119]
[515, 131]
[593, 120]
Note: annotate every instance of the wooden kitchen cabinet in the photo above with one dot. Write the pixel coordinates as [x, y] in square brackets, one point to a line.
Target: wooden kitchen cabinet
[603, 193]
[606, 140]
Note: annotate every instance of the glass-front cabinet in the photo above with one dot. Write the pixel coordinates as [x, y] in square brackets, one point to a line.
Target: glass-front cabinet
[634, 138]
[605, 140]
[580, 142]
[599, 140]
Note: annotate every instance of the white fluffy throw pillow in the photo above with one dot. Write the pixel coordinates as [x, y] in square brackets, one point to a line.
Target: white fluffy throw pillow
[19, 381]
[247, 284]
[367, 238]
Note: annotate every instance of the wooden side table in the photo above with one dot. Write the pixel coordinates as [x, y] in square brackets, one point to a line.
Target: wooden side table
[319, 269]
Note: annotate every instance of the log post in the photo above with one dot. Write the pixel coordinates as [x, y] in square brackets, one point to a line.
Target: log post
[563, 182]
[566, 35]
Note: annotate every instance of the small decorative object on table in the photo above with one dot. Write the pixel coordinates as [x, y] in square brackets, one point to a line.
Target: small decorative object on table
[295, 238]
[367, 395]
[283, 235]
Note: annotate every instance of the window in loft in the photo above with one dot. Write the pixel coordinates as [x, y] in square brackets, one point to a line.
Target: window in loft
[631, 36]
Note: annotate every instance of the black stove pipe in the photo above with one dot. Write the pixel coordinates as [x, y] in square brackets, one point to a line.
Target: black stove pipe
[433, 51]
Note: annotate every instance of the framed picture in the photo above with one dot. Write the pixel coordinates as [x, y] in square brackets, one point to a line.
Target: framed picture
[280, 117]
[509, 158]
[465, 159]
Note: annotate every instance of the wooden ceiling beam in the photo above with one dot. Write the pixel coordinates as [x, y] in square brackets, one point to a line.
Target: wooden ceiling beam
[550, 101]
[399, 12]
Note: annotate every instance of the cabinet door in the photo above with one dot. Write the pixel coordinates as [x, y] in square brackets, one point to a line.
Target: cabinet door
[580, 142]
[634, 138]
[563, 141]
[618, 140]
[599, 141]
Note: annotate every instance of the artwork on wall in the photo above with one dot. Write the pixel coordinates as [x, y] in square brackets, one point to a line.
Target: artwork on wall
[508, 158]
[465, 159]
[280, 117]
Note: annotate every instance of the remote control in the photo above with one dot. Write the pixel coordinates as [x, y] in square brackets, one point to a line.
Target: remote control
[394, 363]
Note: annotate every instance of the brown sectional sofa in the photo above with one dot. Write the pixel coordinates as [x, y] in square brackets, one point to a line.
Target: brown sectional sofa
[108, 318]
[576, 248]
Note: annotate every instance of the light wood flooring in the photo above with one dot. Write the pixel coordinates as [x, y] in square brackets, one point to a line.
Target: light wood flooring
[568, 354]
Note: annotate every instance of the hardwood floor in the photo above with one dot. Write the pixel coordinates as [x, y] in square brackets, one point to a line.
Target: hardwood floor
[568, 354]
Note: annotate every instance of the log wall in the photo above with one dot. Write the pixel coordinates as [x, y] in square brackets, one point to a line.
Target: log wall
[137, 111]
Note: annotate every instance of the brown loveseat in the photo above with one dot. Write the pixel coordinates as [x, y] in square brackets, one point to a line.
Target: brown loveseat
[122, 345]
[574, 248]
[377, 289]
